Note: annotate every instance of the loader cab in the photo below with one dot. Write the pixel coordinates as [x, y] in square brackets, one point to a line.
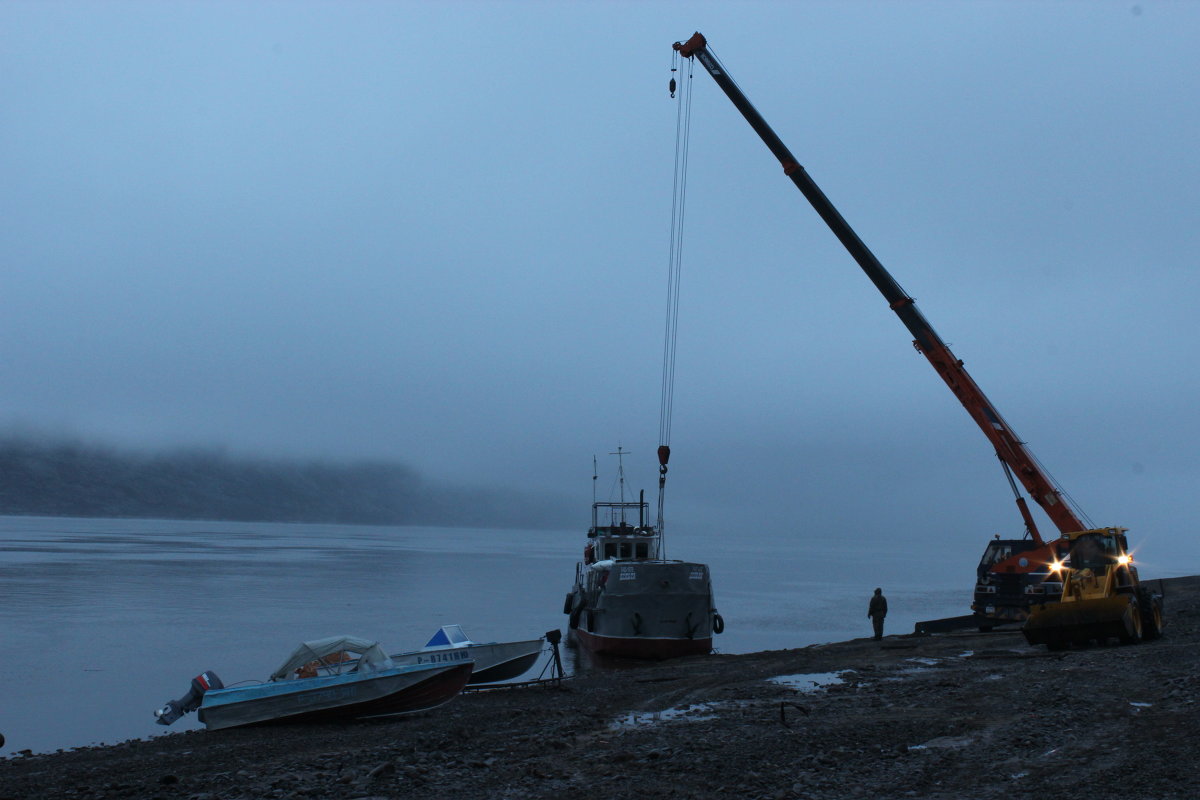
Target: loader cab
[1101, 552]
[1098, 550]
[1094, 552]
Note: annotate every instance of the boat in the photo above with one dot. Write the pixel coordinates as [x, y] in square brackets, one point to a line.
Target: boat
[629, 601]
[494, 661]
[336, 678]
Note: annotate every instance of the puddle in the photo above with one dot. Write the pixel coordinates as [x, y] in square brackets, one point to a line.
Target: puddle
[923, 665]
[810, 681]
[929, 662]
[944, 743]
[692, 713]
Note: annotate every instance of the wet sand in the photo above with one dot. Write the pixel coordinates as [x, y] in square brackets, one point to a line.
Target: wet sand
[945, 716]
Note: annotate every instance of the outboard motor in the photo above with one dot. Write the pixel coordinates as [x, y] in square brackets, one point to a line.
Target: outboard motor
[174, 709]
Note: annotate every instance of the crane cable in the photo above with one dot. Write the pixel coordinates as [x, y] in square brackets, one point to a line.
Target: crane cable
[683, 127]
[1070, 501]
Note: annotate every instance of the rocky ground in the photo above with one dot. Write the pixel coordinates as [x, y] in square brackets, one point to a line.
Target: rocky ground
[945, 716]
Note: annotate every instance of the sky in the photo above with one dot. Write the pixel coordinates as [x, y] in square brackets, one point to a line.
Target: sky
[438, 234]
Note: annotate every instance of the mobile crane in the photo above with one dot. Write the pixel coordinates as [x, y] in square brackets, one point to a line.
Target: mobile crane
[1014, 574]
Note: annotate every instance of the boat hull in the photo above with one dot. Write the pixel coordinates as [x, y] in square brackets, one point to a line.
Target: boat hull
[643, 609]
[640, 648]
[495, 661]
[403, 690]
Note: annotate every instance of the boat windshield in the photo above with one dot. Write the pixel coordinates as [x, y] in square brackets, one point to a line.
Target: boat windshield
[626, 549]
[333, 654]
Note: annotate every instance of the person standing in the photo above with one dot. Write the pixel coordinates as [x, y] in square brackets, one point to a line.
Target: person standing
[877, 610]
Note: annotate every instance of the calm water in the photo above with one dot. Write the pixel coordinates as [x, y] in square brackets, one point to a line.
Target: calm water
[104, 620]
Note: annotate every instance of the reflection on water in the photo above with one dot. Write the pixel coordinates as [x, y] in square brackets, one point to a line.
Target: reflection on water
[110, 618]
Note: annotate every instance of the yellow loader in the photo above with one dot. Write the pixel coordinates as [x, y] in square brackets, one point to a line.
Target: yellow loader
[1101, 596]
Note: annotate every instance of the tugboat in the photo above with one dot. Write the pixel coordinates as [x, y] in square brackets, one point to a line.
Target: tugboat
[629, 600]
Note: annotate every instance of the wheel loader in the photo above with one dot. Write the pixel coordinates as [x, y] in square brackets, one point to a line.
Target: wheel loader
[1102, 597]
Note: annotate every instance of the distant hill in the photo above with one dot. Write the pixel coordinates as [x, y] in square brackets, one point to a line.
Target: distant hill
[50, 478]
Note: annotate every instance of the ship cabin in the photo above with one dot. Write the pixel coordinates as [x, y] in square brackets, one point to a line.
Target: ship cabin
[614, 536]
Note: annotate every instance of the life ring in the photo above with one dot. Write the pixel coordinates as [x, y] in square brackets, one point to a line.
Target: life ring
[718, 624]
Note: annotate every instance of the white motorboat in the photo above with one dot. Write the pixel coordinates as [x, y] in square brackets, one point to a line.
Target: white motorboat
[494, 661]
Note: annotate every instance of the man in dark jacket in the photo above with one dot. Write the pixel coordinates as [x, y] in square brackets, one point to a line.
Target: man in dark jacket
[877, 611]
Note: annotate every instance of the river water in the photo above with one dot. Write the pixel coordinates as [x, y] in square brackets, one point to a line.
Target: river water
[103, 620]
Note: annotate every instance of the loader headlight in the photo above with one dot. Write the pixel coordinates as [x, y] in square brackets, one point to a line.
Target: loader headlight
[1056, 566]
[1124, 558]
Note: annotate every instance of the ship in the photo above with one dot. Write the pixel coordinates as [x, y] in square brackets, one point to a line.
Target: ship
[629, 601]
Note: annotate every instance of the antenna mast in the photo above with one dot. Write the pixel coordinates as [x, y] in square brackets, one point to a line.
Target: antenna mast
[620, 454]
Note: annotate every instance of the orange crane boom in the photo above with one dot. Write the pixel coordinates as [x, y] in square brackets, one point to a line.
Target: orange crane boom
[1028, 563]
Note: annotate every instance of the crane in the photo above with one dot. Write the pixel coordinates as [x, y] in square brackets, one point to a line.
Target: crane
[1013, 573]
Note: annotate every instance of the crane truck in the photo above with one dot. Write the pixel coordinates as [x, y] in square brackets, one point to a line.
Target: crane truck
[1014, 576]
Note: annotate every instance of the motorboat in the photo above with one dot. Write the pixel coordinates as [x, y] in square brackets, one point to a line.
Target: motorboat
[336, 678]
[494, 661]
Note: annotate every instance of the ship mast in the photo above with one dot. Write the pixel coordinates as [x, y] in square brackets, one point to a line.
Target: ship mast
[620, 454]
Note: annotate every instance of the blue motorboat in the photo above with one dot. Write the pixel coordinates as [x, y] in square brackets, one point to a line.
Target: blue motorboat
[337, 678]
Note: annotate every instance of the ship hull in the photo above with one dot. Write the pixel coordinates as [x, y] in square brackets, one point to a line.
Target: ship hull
[650, 610]
[640, 648]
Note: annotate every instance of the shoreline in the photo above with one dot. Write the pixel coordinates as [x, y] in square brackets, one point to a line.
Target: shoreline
[927, 716]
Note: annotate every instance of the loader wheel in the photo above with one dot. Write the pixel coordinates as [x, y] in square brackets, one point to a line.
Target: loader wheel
[1133, 632]
[1151, 608]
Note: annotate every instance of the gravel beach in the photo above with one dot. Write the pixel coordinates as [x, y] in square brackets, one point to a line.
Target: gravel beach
[968, 714]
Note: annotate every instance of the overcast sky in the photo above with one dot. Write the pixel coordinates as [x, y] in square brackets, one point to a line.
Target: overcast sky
[437, 233]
